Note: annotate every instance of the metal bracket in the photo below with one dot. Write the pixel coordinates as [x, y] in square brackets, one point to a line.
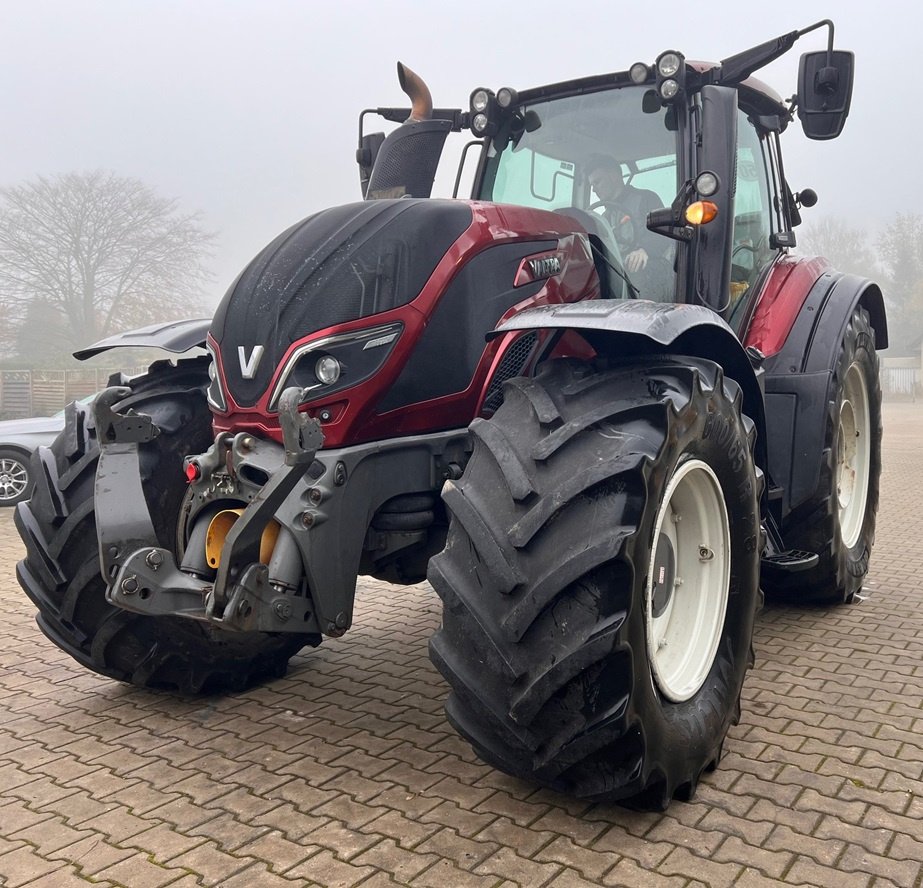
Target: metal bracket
[117, 428]
[254, 606]
[150, 583]
[301, 435]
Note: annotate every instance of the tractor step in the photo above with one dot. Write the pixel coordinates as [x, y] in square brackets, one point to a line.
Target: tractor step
[790, 561]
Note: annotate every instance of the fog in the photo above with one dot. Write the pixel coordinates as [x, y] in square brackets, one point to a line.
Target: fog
[247, 111]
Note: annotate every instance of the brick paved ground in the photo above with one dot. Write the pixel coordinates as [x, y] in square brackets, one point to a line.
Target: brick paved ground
[345, 773]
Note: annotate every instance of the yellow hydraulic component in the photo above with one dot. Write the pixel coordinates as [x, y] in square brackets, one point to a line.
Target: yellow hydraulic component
[220, 527]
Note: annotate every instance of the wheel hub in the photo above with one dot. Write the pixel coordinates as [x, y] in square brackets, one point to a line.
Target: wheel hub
[853, 455]
[664, 576]
[688, 581]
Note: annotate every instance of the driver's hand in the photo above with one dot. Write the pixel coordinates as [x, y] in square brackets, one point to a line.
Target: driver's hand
[636, 260]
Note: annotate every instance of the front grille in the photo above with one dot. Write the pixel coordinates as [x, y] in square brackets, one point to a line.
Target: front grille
[516, 357]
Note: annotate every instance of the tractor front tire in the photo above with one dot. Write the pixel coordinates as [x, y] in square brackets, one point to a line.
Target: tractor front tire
[61, 571]
[600, 579]
[838, 522]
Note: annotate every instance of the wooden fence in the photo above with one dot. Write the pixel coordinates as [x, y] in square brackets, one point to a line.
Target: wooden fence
[44, 392]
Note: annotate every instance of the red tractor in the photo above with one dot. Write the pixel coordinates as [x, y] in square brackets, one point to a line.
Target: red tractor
[599, 405]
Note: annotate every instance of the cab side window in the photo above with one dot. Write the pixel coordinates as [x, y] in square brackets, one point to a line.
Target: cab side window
[751, 250]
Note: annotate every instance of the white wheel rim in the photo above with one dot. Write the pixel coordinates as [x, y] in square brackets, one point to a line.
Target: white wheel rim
[853, 454]
[686, 598]
[14, 478]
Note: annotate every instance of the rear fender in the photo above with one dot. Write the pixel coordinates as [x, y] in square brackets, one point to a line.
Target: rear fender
[621, 328]
[176, 337]
[799, 380]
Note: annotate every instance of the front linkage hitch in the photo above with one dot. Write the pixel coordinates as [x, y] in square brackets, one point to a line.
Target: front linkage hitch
[144, 577]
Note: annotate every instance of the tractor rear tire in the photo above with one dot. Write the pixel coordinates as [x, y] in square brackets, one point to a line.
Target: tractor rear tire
[838, 522]
[61, 571]
[594, 642]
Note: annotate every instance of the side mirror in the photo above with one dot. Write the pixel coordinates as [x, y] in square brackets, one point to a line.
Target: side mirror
[365, 157]
[825, 80]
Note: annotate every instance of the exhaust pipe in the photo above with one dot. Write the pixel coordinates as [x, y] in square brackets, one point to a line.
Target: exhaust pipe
[405, 165]
[418, 92]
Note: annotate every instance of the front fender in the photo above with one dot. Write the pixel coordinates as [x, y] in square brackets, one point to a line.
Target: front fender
[176, 337]
[639, 327]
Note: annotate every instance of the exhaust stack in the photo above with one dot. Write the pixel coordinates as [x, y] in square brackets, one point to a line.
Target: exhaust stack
[418, 93]
[405, 165]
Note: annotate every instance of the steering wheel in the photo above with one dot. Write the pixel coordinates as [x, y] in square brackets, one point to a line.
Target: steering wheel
[753, 248]
[607, 204]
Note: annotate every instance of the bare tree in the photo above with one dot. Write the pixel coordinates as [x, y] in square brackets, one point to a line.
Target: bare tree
[901, 249]
[104, 252]
[848, 249]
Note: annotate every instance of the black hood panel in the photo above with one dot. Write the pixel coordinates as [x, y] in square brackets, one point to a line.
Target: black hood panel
[338, 265]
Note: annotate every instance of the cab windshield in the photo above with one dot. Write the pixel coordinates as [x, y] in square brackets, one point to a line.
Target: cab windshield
[604, 161]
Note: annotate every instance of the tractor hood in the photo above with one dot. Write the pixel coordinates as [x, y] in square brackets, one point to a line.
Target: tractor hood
[336, 266]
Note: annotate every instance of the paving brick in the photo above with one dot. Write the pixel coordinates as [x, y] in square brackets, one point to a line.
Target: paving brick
[904, 872]
[627, 872]
[341, 839]
[326, 870]
[182, 813]
[681, 862]
[402, 864]
[23, 864]
[208, 861]
[357, 787]
[569, 878]
[562, 823]
[443, 874]
[49, 835]
[769, 863]
[291, 822]
[90, 855]
[16, 816]
[354, 814]
[805, 871]
[68, 877]
[279, 853]
[589, 864]
[646, 853]
[465, 853]
[406, 832]
[257, 875]
[140, 872]
[507, 863]
[162, 842]
[228, 832]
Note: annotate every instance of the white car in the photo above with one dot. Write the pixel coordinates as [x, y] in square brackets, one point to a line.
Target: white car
[19, 438]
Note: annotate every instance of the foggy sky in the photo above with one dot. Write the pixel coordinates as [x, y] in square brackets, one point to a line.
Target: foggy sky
[247, 110]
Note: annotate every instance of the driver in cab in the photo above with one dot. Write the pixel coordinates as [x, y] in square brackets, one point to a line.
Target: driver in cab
[626, 209]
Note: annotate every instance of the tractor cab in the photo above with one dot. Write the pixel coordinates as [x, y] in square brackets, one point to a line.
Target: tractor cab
[694, 147]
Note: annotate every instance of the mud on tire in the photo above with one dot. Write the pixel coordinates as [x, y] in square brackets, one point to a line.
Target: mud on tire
[545, 578]
[838, 522]
[61, 574]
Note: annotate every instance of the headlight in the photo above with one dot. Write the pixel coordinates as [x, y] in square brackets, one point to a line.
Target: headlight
[668, 64]
[480, 99]
[639, 72]
[327, 369]
[214, 393]
[334, 363]
[668, 89]
[507, 97]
